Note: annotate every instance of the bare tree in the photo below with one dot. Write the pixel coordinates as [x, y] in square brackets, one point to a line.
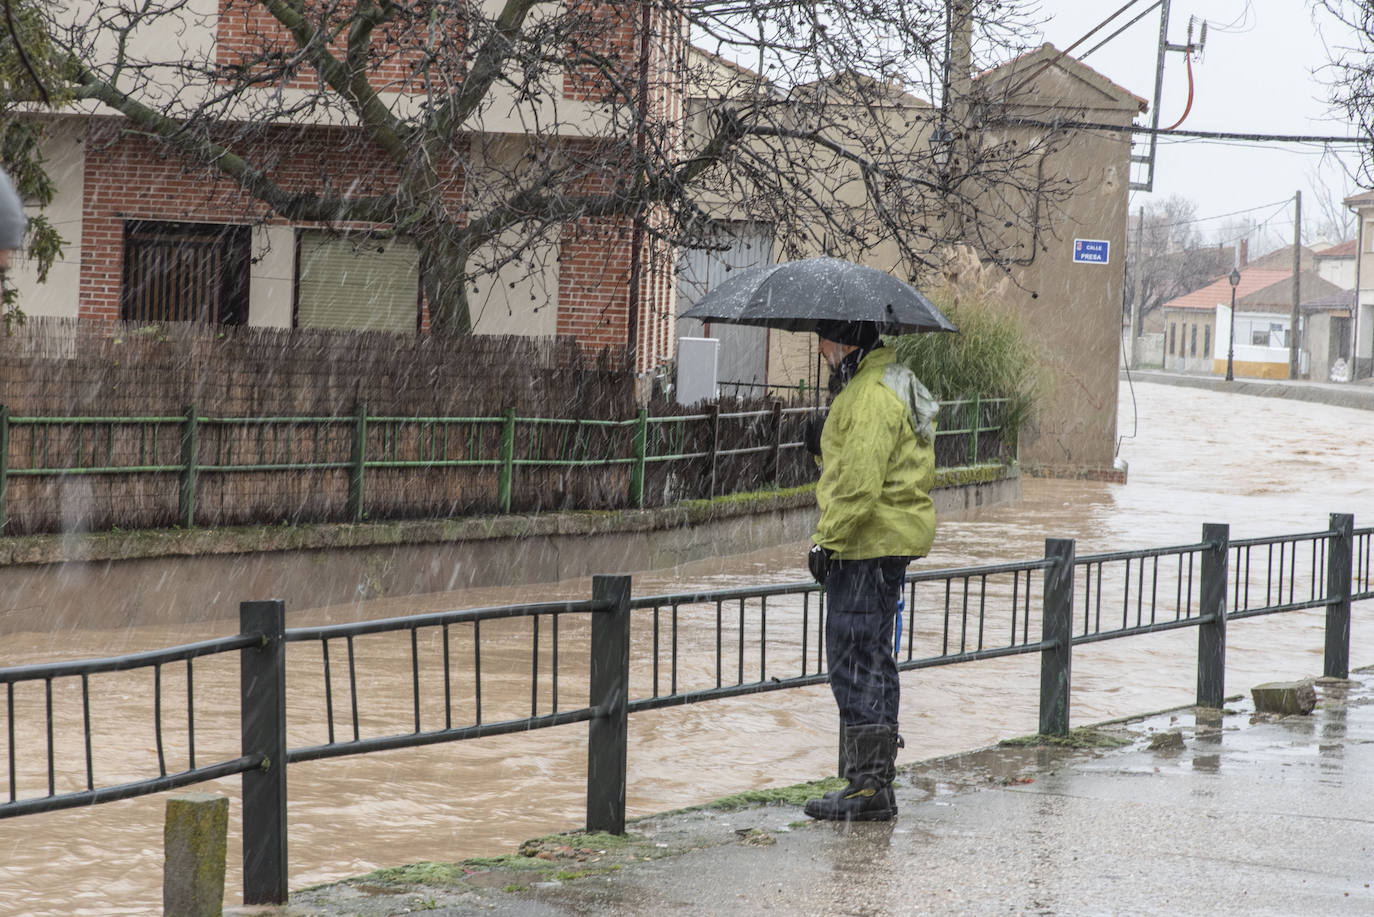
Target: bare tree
[1350, 73]
[488, 132]
[1173, 259]
[1327, 217]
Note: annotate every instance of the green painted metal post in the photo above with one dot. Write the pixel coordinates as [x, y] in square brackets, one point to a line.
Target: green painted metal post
[358, 465]
[262, 718]
[713, 410]
[641, 446]
[4, 464]
[777, 443]
[608, 733]
[186, 497]
[1211, 631]
[975, 426]
[506, 475]
[1056, 635]
[1339, 567]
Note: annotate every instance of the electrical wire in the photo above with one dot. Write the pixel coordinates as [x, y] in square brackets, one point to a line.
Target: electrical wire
[1222, 216]
[1054, 60]
[1201, 135]
[1188, 56]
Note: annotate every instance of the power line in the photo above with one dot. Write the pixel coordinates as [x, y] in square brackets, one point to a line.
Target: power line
[1198, 135]
[1222, 216]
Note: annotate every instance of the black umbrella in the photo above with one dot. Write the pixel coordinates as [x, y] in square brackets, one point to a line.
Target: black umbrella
[796, 295]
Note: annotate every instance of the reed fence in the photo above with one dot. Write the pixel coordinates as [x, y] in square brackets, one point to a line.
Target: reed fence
[62, 474]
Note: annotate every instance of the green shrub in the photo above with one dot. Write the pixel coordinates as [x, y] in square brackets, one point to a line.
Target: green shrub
[991, 356]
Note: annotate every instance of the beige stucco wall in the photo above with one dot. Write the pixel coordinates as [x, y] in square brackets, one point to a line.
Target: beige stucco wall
[272, 276]
[66, 159]
[1073, 310]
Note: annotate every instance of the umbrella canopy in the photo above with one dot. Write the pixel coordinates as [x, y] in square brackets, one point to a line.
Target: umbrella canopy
[796, 295]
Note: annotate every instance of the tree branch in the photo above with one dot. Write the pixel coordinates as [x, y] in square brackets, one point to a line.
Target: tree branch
[349, 81]
[295, 205]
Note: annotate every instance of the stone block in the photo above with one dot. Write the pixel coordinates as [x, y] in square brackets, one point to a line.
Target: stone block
[194, 839]
[1285, 697]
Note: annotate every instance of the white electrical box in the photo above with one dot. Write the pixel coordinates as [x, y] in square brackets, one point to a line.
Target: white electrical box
[696, 369]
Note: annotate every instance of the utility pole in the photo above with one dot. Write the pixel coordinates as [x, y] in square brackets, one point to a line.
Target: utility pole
[1136, 305]
[1293, 367]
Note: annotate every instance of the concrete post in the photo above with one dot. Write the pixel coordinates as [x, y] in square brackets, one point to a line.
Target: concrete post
[194, 841]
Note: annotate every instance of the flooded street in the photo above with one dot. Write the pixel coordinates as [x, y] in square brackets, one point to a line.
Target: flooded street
[1264, 465]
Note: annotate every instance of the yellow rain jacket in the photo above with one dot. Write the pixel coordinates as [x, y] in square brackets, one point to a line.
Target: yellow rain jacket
[878, 464]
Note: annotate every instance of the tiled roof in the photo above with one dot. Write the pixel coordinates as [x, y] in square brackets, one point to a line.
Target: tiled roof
[1347, 249]
[1219, 290]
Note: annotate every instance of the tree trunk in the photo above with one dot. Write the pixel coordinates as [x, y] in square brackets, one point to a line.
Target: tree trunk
[443, 262]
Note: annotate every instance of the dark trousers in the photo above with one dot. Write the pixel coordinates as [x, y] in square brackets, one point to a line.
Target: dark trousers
[861, 609]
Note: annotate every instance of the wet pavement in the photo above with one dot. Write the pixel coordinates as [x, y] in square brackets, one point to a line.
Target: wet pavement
[1198, 812]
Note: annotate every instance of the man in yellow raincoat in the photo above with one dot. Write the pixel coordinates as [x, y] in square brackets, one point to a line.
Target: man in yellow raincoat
[877, 469]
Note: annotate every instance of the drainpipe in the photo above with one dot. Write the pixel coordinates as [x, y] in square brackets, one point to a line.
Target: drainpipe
[1355, 307]
[637, 234]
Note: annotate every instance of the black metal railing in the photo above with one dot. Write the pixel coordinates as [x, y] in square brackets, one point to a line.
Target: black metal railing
[599, 660]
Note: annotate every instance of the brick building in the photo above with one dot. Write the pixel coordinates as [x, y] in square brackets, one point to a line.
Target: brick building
[153, 238]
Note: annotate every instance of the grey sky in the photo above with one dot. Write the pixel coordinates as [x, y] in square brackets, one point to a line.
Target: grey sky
[1260, 72]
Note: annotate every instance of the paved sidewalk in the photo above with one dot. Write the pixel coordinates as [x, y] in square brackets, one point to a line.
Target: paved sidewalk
[1244, 815]
[1340, 394]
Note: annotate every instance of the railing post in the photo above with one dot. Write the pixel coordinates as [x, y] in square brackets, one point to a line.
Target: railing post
[713, 415]
[641, 446]
[358, 465]
[608, 735]
[4, 464]
[1339, 567]
[186, 496]
[777, 443]
[1056, 633]
[973, 428]
[506, 474]
[1211, 631]
[262, 716]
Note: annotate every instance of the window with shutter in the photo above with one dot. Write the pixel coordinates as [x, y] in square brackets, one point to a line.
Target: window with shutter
[185, 272]
[357, 282]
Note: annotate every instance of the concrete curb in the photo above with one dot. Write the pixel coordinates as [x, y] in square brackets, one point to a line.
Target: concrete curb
[1359, 395]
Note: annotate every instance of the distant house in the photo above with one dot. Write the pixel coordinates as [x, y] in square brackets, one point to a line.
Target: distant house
[1362, 327]
[1198, 326]
[1337, 263]
[1191, 326]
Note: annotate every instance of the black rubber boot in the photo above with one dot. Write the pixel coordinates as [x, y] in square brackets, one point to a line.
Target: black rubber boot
[871, 764]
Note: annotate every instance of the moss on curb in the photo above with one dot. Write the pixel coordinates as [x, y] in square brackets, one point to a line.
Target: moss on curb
[778, 796]
[1077, 738]
[176, 542]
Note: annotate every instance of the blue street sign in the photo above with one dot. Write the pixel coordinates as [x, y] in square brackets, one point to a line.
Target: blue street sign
[1091, 251]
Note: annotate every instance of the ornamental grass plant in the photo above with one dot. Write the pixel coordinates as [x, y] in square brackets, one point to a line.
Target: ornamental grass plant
[992, 356]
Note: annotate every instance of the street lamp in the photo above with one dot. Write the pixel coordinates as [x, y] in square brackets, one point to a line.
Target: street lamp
[941, 151]
[1231, 347]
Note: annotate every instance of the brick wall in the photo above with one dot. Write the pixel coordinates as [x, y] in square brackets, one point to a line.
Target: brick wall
[247, 33]
[128, 178]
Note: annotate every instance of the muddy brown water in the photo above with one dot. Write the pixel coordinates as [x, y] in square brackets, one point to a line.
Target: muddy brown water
[1265, 466]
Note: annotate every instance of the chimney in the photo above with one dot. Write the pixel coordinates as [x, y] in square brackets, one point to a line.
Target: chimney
[1244, 252]
[960, 62]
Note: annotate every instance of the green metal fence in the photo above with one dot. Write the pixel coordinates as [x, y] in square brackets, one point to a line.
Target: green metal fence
[701, 454]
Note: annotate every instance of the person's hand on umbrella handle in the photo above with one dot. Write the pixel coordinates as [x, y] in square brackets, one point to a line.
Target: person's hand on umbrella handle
[818, 562]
